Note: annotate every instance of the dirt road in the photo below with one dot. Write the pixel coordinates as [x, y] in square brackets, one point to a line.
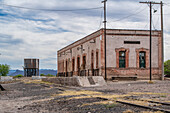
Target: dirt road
[35, 96]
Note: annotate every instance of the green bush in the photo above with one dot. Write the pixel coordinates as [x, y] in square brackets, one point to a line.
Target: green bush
[49, 75]
[4, 69]
[42, 74]
[18, 76]
[167, 67]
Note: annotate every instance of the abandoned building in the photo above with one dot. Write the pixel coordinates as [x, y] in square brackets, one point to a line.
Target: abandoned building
[127, 53]
[31, 67]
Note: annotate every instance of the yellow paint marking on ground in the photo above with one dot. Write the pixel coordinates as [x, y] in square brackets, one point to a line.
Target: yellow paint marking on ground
[79, 97]
[101, 102]
[37, 82]
[88, 94]
[138, 102]
[151, 112]
[110, 96]
[131, 111]
[82, 92]
[157, 100]
[42, 100]
[147, 93]
[128, 111]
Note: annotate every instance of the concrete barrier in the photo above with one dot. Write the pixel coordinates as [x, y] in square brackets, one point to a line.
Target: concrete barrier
[5, 78]
[37, 77]
[85, 81]
[99, 80]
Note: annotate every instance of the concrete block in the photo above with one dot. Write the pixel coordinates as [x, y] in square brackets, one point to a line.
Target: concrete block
[5, 78]
[99, 80]
[84, 81]
[37, 77]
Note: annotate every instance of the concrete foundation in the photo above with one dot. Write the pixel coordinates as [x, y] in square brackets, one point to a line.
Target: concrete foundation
[85, 81]
[5, 78]
[37, 77]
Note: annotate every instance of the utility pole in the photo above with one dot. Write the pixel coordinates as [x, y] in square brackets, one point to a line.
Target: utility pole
[150, 4]
[150, 41]
[105, 37]
[162, 40]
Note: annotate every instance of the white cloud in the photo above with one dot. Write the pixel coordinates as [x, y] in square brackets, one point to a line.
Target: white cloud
[43, 33]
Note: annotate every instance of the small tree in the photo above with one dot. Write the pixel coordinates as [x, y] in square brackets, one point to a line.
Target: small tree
[4, 69]
[42, 74]
[167, 67]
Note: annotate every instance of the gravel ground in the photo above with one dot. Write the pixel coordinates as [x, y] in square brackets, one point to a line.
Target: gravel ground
[39, 97]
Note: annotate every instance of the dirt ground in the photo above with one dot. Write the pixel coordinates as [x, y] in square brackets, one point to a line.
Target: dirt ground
[35, 96]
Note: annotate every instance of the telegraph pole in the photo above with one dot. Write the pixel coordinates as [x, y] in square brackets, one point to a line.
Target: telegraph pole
[162, 40]
[150, 41]
[150, 4]
[105, 36]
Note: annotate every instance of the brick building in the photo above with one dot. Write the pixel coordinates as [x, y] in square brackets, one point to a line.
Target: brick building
[127, 55]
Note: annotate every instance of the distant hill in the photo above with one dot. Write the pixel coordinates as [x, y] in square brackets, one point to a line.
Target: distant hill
[42, 71]
[15, 72]
[48, 71]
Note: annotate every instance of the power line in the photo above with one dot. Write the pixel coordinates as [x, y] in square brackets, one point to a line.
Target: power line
[156, 23]
[100, 19]
[62, 10]
[129, 15]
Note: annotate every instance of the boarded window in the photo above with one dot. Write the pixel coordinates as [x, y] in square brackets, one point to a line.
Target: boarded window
[131, 42]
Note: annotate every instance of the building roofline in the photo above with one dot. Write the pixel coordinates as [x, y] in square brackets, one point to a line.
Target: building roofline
[79, 40]
[106, 30]
[132, 30]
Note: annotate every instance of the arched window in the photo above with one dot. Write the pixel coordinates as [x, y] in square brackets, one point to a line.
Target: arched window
[142, 62]
[122, 61]
[78, 63]
[122, 57]
[84, 62]
[97, 59]
[92, 60]
[73, 61]
[66, 66]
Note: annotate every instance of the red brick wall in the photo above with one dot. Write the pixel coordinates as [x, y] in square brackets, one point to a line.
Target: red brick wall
[139, 72]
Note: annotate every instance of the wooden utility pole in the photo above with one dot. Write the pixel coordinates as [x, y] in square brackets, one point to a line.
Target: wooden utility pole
[162, 40]
[150, 4]
[150, 41]
[105, 37]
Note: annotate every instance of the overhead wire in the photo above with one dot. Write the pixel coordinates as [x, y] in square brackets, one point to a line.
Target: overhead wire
[101, 16]
[58, 10]
[62, 10]
[154, 25]
[129, 15]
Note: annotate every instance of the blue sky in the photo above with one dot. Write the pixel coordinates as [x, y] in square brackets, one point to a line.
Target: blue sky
[39, 34]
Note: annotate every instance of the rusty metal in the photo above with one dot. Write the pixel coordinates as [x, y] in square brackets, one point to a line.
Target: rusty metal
[31, 67]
